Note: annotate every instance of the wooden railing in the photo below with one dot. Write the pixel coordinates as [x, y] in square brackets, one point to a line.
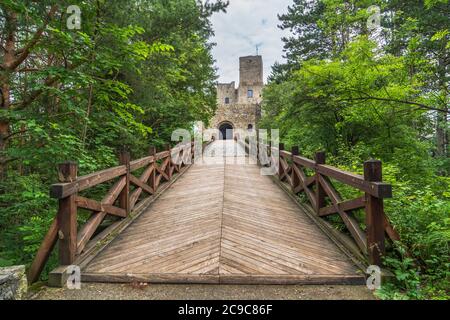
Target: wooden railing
[313, 178]
[126, 194]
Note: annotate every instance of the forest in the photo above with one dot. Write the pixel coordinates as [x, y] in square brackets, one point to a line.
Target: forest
[137, 70]
[134, 72]
[358, 93]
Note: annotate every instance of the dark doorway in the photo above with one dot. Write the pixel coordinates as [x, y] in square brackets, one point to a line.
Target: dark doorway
[226, 131]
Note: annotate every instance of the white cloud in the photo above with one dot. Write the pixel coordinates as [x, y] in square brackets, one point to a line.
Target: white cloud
[246, 24]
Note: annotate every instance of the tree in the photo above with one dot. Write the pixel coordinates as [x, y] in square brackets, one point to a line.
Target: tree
[420, 30]
[307, 40]
[133, 72]
[358, 94]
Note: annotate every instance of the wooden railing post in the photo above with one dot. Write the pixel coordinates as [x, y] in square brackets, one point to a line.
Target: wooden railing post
[280, 167]
[294, 177]
[374, 215]
[320, 158]
[268, 153]
[193, 146]
[169, 166]
[67, 216]
[152, 179]
[124, 197]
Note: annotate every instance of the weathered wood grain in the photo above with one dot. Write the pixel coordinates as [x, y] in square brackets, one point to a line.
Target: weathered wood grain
[67, 217]
[43, 253]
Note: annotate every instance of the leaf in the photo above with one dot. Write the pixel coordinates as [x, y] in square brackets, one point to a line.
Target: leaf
[440, 35]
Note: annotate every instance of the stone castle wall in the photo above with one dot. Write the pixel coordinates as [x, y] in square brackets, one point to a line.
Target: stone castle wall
[240, 116]
[250, 78]
[227, 90]
[251, 70]
[241, 110]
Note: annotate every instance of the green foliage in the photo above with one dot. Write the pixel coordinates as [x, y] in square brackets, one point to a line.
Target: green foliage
[358, 97]
[32, 212]
[135, 71]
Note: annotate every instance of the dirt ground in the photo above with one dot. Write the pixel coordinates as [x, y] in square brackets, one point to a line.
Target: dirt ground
[204, 292]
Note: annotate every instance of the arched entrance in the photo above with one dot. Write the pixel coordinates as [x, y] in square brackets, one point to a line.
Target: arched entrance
[226, 131]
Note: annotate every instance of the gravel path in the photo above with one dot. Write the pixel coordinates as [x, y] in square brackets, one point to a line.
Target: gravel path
[204, 292]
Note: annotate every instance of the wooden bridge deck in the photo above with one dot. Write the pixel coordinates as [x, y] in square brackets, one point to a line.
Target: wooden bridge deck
[223, 222]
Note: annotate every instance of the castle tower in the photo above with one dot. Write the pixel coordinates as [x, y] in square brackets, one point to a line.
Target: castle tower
[251, 70]
[251, 80]
[240, 108]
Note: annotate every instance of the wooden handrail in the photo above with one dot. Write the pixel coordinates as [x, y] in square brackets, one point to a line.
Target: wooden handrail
[377, 189]
[124, 196]
[65, 189]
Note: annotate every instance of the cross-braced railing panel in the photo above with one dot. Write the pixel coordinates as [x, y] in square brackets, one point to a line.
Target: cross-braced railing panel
[128, 190]
[314, 179]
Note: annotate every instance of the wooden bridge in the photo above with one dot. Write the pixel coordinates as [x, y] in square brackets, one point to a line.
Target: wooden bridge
[219, 221]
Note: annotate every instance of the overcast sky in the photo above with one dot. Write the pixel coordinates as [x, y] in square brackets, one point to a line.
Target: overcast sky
[246, 24]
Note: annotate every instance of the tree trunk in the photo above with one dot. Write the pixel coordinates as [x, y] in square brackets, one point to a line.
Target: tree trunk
[442, 134]
[88, 114]
[8, 59]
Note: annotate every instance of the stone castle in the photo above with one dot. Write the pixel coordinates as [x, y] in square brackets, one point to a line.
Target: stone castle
[240, 108]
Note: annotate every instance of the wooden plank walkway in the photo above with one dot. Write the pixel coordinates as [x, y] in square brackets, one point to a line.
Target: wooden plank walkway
[223, 222]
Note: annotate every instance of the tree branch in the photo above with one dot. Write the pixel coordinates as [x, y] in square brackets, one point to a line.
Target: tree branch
[5, 161]
[35, 94]
[366, 96]
[15, 134]
[23, 70]
[420, 105]
[24, 52]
